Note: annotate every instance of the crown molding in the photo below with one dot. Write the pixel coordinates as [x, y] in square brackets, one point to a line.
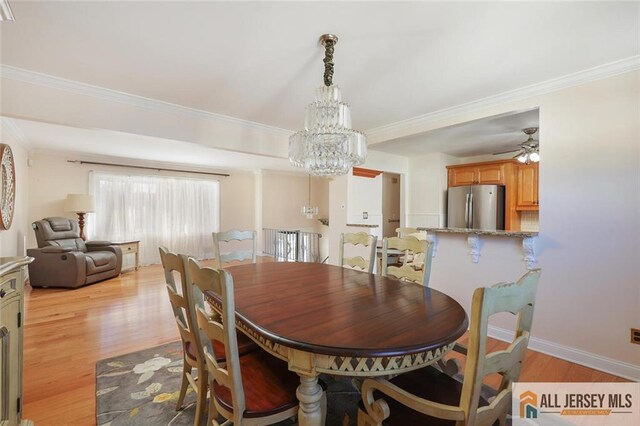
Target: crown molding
[405, 127]
[16, 132]
[52, 82]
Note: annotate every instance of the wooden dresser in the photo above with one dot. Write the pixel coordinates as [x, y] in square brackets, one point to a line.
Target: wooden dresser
[12, 276]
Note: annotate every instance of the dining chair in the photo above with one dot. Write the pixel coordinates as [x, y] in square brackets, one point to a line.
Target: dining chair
[184, 302]
[429, 396]
[407, 271]
[179, 296]
[403, 232]
[359, 238]
[255, 389]
[237, 255]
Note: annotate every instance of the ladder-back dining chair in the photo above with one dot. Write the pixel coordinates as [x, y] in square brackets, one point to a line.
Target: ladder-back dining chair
[257, 388]
[237, 255]
[429, 396]
[359, 238]
[407, 271]
[403, 232]
[184, 301]
[182, 305]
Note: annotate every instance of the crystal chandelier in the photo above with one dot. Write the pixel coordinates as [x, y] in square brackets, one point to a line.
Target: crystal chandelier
[308, 210]
[328, 146]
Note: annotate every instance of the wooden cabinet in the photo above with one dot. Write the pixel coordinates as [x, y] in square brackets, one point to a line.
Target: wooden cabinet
[528, 187]
[500, 172]
[477, 174]
[11, 321]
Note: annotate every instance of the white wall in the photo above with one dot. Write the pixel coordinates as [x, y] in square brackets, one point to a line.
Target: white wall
[339, 195]
[427, 205]
[365, 196]
[12, 240]
[337, 214]
[589, 244]
[284, 195]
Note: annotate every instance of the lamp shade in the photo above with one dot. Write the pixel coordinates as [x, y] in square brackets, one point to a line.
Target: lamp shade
[80, 203]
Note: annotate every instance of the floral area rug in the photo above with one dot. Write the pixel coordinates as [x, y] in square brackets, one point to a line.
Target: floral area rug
[141, 388]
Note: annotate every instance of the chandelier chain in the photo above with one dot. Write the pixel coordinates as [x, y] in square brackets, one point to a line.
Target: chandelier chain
[328, 62]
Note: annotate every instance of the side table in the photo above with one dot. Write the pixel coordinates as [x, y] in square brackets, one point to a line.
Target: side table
[130, 247]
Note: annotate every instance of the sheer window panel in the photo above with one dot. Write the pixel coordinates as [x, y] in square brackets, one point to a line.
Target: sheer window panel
[179, 213]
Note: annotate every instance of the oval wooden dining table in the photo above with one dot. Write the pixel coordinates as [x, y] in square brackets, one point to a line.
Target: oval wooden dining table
[322, 318]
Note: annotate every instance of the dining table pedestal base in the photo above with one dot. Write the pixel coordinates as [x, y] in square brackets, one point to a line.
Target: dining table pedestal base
[313, 402]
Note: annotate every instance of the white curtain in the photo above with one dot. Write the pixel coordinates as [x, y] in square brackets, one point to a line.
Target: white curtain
[177, 213]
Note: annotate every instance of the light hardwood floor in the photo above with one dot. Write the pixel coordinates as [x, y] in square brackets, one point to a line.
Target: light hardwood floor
[68, 331]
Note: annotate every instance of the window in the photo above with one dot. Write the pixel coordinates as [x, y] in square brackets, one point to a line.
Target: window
[178, 213]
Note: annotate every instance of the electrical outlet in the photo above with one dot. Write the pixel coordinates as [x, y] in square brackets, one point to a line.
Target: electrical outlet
[635, 336]
[365, 215]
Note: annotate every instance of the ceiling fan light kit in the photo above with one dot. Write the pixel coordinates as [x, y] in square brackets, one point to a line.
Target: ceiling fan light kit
[527, 151]
[328, 146]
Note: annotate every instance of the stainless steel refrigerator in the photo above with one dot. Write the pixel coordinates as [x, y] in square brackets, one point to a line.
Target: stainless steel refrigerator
[476, 207]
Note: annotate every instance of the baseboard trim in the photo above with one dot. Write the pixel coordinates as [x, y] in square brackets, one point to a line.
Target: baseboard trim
[588, 359]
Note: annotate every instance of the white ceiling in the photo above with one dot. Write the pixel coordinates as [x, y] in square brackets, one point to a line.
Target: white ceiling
[478, 137]
[261, 61]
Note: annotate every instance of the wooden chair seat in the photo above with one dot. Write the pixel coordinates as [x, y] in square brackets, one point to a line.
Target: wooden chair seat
[427, 383]
[269, 386]
[245, 346]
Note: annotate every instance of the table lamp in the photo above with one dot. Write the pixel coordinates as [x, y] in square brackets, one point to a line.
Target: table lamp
[80, 204]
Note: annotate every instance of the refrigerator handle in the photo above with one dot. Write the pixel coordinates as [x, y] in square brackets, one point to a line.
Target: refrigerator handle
[470, 211]
[466, 211]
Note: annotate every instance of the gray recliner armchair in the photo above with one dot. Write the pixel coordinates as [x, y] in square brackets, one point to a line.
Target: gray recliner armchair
[63, 259]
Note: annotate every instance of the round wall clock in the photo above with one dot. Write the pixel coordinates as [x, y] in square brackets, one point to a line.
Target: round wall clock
[7, 186]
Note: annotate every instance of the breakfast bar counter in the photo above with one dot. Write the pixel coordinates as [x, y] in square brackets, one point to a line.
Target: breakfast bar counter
[474, 241]
[499, 233]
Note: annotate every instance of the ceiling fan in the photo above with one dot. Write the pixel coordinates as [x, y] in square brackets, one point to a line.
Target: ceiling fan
[527, 151]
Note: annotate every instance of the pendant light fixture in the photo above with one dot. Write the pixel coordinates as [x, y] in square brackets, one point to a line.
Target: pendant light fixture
[308, 210]
[328, 146]
[5, 11]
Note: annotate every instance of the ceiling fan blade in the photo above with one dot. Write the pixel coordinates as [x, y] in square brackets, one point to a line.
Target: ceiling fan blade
[506, 152]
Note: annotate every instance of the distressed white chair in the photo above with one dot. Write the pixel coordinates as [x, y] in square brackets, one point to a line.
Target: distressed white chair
[255, 389]
[403, 232]
[359, 238]
[428, 396]
[179, 296]
[238, 255]
[411, 246]
[184, 302]
[419, 260]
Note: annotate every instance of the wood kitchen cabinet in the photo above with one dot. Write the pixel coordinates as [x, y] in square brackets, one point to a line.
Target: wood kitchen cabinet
[500, 172]
[528, 187]
[492, 173]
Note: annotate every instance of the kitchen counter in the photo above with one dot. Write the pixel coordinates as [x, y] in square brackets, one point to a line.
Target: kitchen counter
[499, 233]
[362, 225]
[474, 241]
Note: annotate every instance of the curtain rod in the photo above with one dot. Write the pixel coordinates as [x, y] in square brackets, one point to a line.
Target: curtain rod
[160, 169]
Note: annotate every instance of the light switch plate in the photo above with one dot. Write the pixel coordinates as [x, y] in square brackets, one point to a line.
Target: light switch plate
[365, 215]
